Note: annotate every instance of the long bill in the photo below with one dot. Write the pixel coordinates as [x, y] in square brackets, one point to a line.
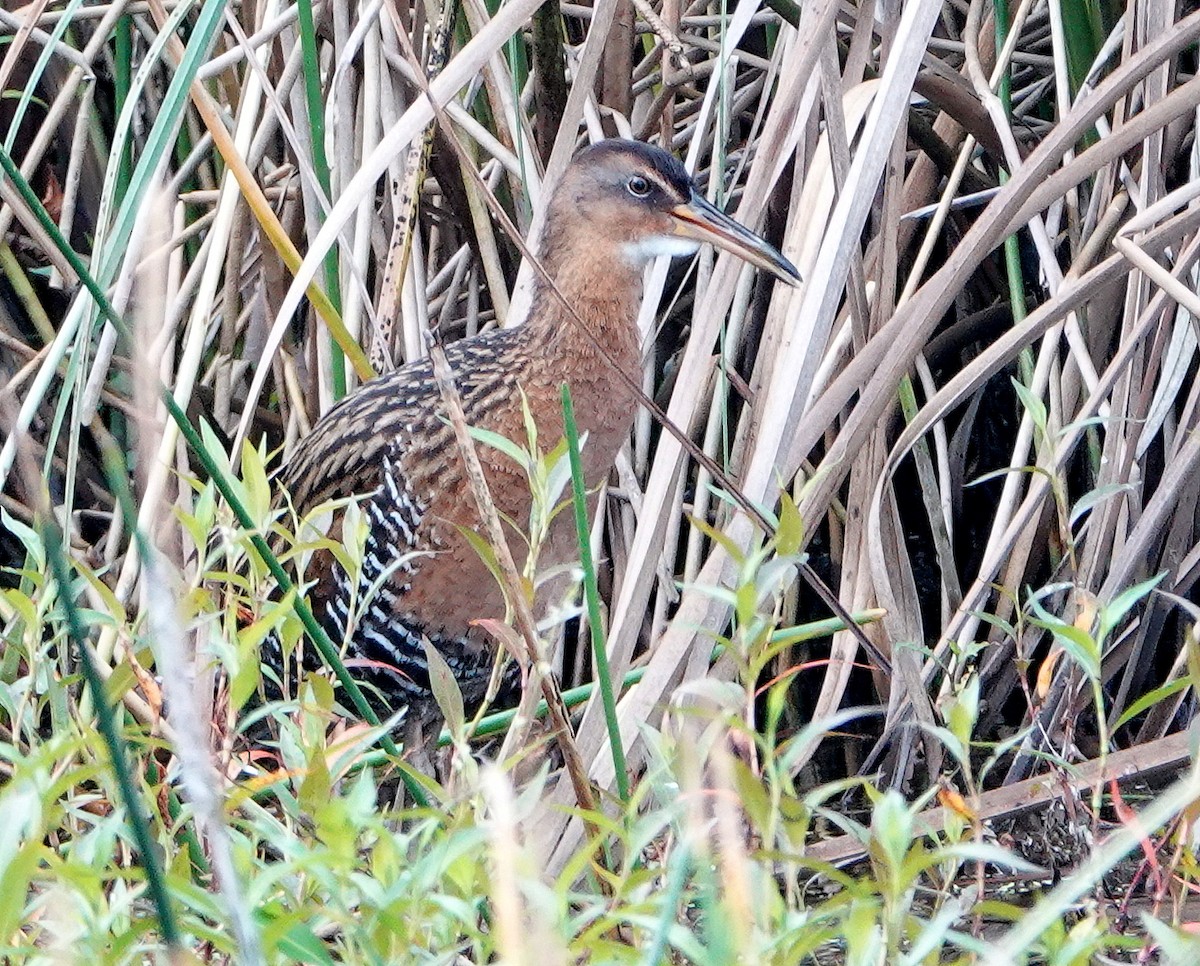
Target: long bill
[700, 221]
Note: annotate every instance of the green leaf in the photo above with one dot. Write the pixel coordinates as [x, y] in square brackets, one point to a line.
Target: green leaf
[950, 741]
[1078, 643]
[558, 474]
[1114, 612]
[1175, 945]
[27, 535]
[891, 830]
[531, 433]
[502, 444]
[196, 529]
[1150, 699]
[445, 689]
[24, 607]
[258, 490]
[301, 944]
[1094, 497]
[1192, 643]
[747, 604]
[790, 534]
[735, 552]
[962, 710]
[216, 453]
[486, 553]
[16, 873]
[817, 729]
[998, 622]
[320, 690]
[1033, 405]
[317, 785]
[1002, 472]
[244, 681]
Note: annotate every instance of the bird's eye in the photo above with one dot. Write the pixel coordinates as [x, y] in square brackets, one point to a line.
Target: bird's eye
[638, 186]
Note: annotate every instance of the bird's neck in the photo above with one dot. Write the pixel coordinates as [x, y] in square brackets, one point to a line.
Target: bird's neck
[597, 326]
[594, 347]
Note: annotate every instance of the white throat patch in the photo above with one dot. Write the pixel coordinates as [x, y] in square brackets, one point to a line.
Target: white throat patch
[655, 246]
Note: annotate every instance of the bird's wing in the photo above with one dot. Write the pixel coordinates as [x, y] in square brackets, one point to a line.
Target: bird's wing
[343, 455]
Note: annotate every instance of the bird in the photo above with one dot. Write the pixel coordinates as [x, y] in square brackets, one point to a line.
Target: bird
[619, 204]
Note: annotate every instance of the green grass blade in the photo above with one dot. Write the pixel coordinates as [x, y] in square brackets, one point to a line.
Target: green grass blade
[1012, 248]
[139, 822]
[316, 125]
[592, 594]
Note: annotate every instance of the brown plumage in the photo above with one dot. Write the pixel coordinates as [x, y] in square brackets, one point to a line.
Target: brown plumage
[619, 204]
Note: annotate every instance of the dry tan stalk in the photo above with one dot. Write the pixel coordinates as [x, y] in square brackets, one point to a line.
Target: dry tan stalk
[514, 944]
[403, 275]
[488, 246]
[234, 159]
[838, 140]
[185, 376]
[582, 78]
[941, 518]
[188, 692]
[790, 379]
[902, 620]
[1174, 485]
[357, 300]
[1109, 523]
[512, 124]
[264, 35]
[737, 889]
[279, 87]
[26, 27]
[311, 196]
[230, 299]
[1183, 465]
[856, 585]
[1048, 353]
[75, 167]
[789, 385]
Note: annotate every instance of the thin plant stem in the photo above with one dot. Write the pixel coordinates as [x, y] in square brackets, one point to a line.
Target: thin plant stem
[316, 125]
[138, 821]
[592, 595]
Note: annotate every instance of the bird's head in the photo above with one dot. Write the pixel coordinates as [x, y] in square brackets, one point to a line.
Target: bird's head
[639, 200]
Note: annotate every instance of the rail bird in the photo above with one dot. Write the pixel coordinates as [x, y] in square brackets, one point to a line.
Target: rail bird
[619, 204]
